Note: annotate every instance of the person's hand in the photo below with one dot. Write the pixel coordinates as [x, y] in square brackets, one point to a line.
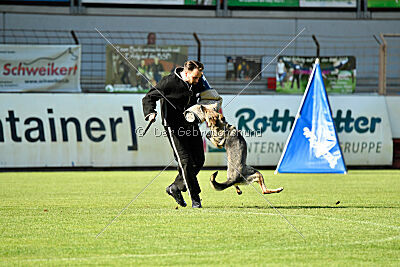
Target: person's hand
[152, 117]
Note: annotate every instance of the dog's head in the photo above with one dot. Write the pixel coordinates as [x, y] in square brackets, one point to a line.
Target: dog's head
[211, 116]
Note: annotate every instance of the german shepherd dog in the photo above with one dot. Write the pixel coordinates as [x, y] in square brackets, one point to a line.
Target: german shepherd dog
[225, 135]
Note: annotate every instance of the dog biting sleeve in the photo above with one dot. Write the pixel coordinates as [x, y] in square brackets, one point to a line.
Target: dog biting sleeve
[208, 98]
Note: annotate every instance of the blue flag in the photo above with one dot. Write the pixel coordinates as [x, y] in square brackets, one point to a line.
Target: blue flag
[313, 144]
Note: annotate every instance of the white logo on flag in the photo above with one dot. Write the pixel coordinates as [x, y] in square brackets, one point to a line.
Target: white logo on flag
[322, 144]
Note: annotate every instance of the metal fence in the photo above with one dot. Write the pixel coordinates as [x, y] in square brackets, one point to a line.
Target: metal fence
[389, 70]
[216, 48]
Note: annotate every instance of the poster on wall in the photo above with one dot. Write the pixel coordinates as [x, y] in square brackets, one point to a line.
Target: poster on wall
[264, 3]
[339, 73]
[384, 3]
[242, 68]
[40, 68]
[328, 3]
[151, 61]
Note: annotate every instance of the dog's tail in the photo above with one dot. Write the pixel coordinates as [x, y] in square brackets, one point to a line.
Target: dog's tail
[219, 186]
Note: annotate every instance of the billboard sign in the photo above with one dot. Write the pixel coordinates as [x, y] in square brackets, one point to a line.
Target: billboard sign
[264, 3]
[152, 62]
[243, 68]
[293, 72]
[38, 68]
[106, 130]
[384, 3]
[329, 3]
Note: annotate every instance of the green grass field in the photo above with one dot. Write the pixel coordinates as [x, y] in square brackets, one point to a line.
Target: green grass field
[52, 218]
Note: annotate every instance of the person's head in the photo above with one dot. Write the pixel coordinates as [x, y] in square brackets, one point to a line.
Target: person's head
[151, 38]
[192, 71]
[156, 60]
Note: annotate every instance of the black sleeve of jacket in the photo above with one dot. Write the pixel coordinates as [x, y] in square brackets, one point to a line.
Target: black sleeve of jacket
[149, 101]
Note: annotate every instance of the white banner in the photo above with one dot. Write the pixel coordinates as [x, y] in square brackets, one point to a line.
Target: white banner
[59, 130]
[142, 2]
[328, 3]
[393, 105]
[38, 68]
[105, 130]
[362, 124]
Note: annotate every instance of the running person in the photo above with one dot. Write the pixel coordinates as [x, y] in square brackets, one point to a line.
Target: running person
[182, 88]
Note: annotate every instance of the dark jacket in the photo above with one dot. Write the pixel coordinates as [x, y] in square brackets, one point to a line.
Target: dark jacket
[181, 94]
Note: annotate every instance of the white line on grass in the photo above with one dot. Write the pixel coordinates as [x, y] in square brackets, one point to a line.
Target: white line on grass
[303, 215]
[208, 253]
[203, 253]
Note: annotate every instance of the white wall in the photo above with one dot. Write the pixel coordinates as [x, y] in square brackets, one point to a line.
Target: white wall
[393, 105]
[30, 140]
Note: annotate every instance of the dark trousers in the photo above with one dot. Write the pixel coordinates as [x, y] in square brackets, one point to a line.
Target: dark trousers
[187, 144]
[297, 78]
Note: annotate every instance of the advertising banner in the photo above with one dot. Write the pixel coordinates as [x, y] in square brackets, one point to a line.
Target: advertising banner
[106, 130]
[329, 3]
[41, 1]
[393, 106]
[362, 124]
[384, 3]
[201, 2]
[339, 73]
[151, 61]
[139, 2]
[243, 68]
[67, 130]
[264, 3]
[36, 68]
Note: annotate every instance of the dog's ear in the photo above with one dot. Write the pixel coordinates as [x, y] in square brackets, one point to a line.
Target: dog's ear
[203, 108]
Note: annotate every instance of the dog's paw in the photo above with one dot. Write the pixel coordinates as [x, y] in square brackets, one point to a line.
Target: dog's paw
[238, 191]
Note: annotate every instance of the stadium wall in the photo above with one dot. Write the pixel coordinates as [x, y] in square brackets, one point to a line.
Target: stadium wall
[106, 130]
[341, 26]
[116, 148]
[339, 33]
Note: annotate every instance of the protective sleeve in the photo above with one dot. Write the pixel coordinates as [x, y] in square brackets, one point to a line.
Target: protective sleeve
[209, 98]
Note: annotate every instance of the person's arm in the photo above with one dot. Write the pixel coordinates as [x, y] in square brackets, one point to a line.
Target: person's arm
[149, 101]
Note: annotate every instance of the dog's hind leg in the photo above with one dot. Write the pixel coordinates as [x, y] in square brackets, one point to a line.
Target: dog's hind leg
[260, 179]
[238, 191]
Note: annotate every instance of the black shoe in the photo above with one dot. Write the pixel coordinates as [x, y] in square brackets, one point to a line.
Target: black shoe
[196, 202]
[174, 192]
